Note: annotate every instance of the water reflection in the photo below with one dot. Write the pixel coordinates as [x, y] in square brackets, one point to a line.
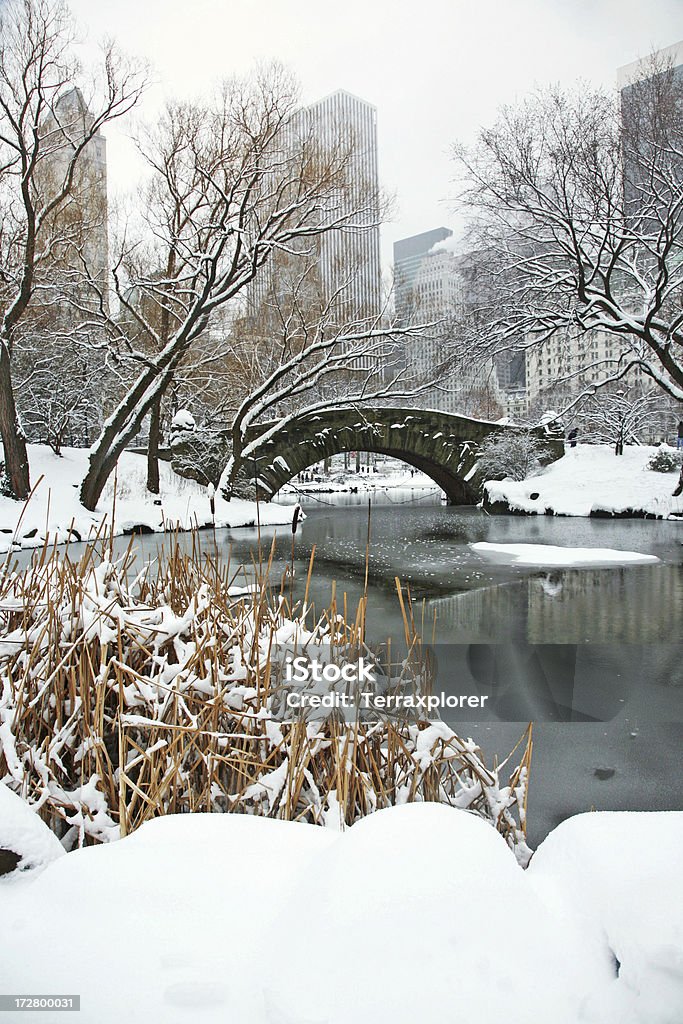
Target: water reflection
[457, 595]
[639, 604]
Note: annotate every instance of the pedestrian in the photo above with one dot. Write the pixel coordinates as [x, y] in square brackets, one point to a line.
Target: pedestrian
[572, 436]
[679, 439]
[679, 486]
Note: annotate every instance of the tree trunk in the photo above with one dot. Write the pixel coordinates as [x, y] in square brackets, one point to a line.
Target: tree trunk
[228, 478]
[14, 443]
[96, 478]
[228, 483]
[121, 428]
[153, 447]
[619, 446]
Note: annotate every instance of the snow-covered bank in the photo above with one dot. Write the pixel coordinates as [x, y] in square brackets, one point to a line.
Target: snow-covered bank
[553, 556]
[416, 913]
[54, 508]
[591, 480]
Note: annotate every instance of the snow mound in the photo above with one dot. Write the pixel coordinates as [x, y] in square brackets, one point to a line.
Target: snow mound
[420, 906]
[23, 833]
[619, 872]
[415, 913]
[552, 556]
[183, 420]
[592, 480]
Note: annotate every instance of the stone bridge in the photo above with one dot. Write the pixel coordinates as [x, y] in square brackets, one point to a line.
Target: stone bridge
[442, 445]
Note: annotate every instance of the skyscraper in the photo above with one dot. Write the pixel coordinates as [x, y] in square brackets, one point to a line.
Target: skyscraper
[414, 268]
[349, 258]
[638, 70]
[651, 95]
[651, 92]
[79, 229]
[431, 286]
[348, 264]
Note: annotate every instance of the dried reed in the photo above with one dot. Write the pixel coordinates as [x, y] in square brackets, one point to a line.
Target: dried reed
[132, 691]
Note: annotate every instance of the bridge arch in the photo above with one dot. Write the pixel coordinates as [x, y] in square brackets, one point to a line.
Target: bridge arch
[442, 445]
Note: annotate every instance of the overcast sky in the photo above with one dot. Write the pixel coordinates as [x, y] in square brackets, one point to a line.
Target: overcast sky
[435, 69]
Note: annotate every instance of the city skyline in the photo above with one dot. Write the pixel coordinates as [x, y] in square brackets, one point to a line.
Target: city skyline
[433, 80]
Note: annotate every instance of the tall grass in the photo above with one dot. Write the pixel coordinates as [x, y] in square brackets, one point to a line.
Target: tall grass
[132, 691]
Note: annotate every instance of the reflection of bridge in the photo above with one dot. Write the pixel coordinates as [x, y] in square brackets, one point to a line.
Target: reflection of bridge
[439, 444]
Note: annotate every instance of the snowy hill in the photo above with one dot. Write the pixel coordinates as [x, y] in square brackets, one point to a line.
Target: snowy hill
[416, 913]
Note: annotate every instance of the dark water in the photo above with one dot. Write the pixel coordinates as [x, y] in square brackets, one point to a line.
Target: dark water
[632, 760]
[461, 597]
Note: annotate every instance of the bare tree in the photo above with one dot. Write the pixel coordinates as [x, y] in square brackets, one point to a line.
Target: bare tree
[236, 182]
[60, 397]
[619, 416]
[318, 357]
[578, 227]
[42, 145]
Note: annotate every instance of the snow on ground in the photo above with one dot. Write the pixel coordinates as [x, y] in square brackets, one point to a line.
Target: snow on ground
[416, 913]
[22, 832]
[619, 872]
[592, 478]
[392, 474]
[54, 508]
[552, 556]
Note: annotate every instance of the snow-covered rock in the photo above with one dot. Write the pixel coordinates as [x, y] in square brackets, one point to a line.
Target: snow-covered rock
[26, 843]
[183, 420]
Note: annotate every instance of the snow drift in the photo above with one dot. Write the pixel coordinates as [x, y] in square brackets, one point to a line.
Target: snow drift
[416, 913]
